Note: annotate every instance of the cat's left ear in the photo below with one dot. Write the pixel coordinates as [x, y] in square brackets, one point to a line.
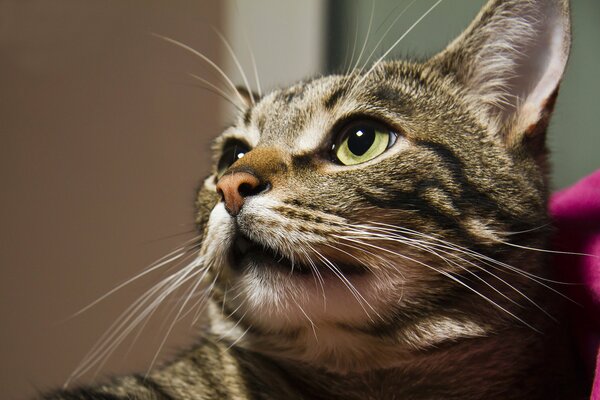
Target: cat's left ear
[511, 59]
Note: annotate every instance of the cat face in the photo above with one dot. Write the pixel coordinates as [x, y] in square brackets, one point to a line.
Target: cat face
[383, 200]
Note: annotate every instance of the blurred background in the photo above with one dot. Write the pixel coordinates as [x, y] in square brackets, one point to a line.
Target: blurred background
[104, 138]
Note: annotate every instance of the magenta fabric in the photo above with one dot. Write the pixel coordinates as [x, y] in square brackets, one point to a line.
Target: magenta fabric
[576, 215]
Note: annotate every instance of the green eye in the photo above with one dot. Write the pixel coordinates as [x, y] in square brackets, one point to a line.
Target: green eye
[232, 152]
[362, 141]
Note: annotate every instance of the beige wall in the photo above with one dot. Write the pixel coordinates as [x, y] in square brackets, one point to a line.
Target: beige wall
[287, 38]
[102, 142]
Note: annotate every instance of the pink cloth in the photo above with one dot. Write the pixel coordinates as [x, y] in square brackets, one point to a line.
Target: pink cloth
[576, 215]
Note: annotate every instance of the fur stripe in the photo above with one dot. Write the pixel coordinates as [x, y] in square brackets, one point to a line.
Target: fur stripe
[414, 200]
[331, 101]
[152, 385]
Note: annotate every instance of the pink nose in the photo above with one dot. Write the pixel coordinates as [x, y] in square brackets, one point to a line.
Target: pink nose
[234, 188]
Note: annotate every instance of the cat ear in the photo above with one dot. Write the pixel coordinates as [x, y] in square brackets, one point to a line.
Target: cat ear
[249, 97]
[511, 59]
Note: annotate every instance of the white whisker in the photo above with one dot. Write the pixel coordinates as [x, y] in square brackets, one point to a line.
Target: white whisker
[362, 50]
[161, 262]
[206, 59]
[354, 44]
[312, 324]
[187, 299]
[237, 63]
[448, 275]
[427, 247]
[397, 42]
[357, 295]
[144, 307]
[217, 90]
[386, 33]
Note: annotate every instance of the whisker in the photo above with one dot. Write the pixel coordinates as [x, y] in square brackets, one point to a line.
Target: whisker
[236, 61]
[236, 341]
[145, 305]
[528, 230]
[225, 334]
[428, 249]
[161, 262]
[187, 299]
[316, 275]
[312, 324]
[217, 90]
[472, 252]
[488, 261]
[250, 52]
[357, 295]
[200, 305]
[206, 59]
[386, 33]
[354, 44]
[364, 46]
[450, 276]
[570, 253]
[397, 42]
[169, 236]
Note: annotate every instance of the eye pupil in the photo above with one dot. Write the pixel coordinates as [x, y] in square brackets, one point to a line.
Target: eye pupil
[361, 141]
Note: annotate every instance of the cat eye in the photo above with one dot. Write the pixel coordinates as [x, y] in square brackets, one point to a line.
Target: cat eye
[362, 141]
[232, 152]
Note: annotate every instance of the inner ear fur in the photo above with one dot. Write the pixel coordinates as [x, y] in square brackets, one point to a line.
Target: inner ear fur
[511, 60]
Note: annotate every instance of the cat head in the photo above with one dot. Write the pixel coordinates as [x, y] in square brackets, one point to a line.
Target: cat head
[387, 202]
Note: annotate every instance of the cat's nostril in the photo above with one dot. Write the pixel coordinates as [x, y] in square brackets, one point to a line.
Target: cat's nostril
[247, 189]
[234, 188]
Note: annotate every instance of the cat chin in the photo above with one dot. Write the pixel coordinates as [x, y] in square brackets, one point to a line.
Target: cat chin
[325, 347]
[276, 300]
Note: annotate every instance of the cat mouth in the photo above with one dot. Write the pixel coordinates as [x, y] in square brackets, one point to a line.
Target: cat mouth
[246, 253]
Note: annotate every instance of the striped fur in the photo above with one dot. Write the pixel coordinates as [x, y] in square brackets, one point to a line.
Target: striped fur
[408, 276]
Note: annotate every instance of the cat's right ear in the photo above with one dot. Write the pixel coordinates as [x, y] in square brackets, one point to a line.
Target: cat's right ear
[250, 98]
[511, 60]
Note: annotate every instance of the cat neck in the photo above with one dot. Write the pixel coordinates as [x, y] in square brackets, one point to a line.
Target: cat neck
[531, 365]
[351, 365]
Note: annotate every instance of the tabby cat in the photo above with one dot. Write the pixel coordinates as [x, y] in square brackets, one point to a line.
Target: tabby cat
[371, 235]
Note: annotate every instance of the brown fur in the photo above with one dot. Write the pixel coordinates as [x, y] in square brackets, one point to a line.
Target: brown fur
[404, 277]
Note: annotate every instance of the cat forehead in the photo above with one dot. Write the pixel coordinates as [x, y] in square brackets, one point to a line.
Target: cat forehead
[300, 118]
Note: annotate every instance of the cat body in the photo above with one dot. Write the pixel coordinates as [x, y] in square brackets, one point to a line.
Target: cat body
[368, 235]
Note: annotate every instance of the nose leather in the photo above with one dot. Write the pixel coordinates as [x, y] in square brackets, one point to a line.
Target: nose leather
[235, 187]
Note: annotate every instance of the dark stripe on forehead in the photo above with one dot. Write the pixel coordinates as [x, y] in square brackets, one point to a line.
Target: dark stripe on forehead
[391, 95]
[334, 98]
[289, 95]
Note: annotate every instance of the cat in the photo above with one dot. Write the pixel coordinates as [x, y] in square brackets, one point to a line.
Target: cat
[371, 235]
